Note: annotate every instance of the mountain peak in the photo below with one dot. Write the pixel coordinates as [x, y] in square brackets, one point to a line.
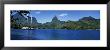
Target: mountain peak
[55, 19]
[87, 18]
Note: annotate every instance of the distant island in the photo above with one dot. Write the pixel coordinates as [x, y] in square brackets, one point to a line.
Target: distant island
[21, 21]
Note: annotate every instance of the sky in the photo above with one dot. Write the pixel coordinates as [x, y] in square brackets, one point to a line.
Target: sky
[44, 16]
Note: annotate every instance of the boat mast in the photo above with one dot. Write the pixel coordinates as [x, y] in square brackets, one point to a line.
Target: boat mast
[31, 22]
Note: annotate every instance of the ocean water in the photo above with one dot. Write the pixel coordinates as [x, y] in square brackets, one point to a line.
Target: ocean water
[54, 34]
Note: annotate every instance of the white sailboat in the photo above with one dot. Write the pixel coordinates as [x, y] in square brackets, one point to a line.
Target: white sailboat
[31, 22]
[27, 22]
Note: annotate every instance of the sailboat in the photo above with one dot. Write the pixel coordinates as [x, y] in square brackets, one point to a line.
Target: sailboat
[27, 22]
[31, 23]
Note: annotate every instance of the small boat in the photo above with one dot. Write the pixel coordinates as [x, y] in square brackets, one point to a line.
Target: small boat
[25, 27]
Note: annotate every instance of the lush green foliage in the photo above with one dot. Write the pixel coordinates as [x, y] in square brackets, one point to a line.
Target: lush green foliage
[19, 21]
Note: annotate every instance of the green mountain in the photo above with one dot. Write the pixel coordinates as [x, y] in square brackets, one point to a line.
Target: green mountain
[20, 19]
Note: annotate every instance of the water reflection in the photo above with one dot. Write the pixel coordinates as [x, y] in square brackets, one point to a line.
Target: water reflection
[52, 34]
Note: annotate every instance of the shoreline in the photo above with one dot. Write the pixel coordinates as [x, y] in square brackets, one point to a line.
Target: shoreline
[58, 29]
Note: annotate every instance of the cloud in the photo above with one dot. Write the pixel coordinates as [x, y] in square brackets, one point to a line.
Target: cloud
[38, 12]
[63, 14]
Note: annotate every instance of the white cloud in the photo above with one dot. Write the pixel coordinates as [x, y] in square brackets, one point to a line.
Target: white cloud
[63, 14]
[38, 12]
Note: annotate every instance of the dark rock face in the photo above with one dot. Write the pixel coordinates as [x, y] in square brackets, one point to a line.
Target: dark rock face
[55, 20]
